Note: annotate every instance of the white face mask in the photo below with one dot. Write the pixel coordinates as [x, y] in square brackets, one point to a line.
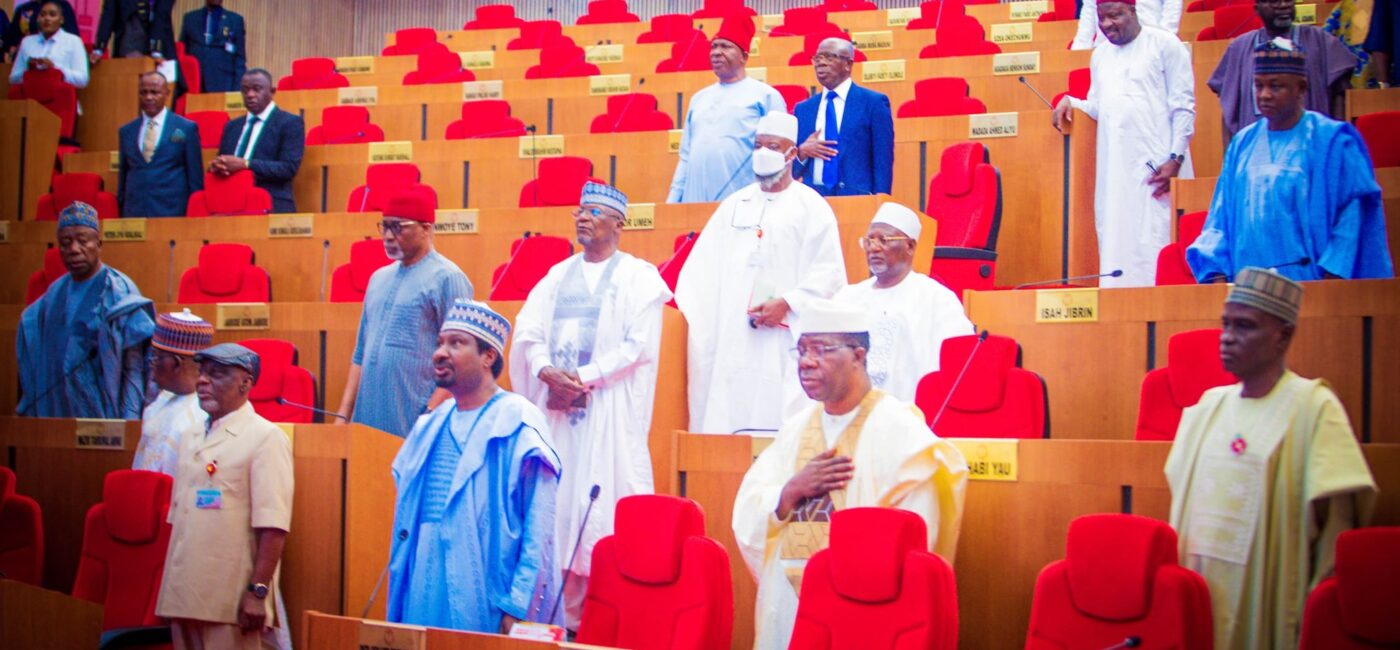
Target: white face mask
[767, 162]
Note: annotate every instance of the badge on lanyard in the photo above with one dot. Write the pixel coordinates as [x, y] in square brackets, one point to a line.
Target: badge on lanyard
[209, 499]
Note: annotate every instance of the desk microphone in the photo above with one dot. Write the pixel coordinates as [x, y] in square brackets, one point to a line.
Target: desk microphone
[347, 138]
[534, 162]
[1129, 642]
[578, 541]
[956, 382]
[1022, 79]
[1302, 261]
[623, 113]
[1116, 273]
[285, 402]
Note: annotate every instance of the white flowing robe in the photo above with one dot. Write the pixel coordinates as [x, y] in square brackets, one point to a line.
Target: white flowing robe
[899, 463]
[1143, 97]
[740, 377]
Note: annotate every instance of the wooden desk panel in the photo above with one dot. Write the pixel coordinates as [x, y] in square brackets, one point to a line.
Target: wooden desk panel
[36, 618]
[28, 144]
[1373, 100]
[109, 101]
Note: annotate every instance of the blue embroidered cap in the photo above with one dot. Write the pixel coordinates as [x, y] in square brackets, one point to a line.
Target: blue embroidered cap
[477, 319]
[182, 333]
[78, 214]
[1280, 56]
[604, 195]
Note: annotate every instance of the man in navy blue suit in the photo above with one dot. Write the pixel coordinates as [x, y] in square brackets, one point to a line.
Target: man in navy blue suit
[266, 140]
[215, 37]
[846, 131]
[160, 159]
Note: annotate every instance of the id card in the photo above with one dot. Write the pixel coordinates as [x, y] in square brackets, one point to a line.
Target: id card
[209, 499]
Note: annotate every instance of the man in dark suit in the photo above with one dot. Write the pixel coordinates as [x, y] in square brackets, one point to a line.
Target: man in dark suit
[136, 28]
[160, 159]
[267, 140]
[855, 155]
[215, 37]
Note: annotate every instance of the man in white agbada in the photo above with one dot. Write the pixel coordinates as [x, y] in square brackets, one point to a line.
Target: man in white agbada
[1165, 14]
[585, 351]
[175, 414]
[858, 448]
[767, 251]
[1143, 97]
[910, 313]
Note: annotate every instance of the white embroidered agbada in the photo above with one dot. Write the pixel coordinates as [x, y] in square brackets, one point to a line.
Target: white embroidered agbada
[164, 424]
[756, 246]
[1143, 97]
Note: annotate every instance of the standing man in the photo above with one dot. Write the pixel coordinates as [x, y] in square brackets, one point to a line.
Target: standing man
[230, 510]
[1381, 42]
[175, 414]
[1264, 474]
[390, 382]
[823, 461]
[846, 132]
[1144, 100]
[161, 164]
[719, 126]
[766, 252]
[586, 348]
[266, 140]
[216, 37]
[473, 545]
[1328, 71]
[910, 313]
[1164, 14]
[82, 346]
[137, 28]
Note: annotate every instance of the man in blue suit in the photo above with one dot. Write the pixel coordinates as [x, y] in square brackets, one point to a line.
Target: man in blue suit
[215, 37]
[160, 159]
[266, 140]
[846, 131]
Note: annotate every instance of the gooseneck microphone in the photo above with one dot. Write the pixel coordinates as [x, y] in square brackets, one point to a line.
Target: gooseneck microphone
[1302, 261]
[578, 541]
[285, 402]
[622, 114]
[1116, 273]
[956, 382]
[1128, 642]
[1022, 79]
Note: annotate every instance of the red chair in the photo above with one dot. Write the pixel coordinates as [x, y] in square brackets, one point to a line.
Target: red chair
[996, 399]
[227, 196]
[811, 42]
[933, 12]
[382, 182]
[965, 198]
[411, 41]
[1378, 130]
[561, 60]
[1231, 21]
[21, 533]
[494, 17]
[1060, 10]
[658, 583]
[536, 34]
[959, 36]
[190, 70]
[350, 280]
[438, 65]
[279, 377]
[313, 73]
[1079, 81]
[668, 28]
[124, 542]
[1119, 580]
[210, 125]
[560, 182]
[607, 11]
[631, 112]
[1171, 260]
[800, 21]
[793, 94]
[722, 8]
[40, 280]
[530, 259]
[848, 5]
[1356, 608]
[49, 89]
[1193, 367]
[670, 270]
[1212, 5]
[485, 118]
[877, 586]
[225, 273]
[76, 186]
[941, 96]
[344, 125]
[689, 53]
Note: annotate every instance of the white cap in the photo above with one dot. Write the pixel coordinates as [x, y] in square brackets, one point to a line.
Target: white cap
[825, 316]
[778, 124]
[901, 218]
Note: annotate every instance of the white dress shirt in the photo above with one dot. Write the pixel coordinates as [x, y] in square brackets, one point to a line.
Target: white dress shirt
[64, 49]
[257, 130]
[159, 120]
[842, 91]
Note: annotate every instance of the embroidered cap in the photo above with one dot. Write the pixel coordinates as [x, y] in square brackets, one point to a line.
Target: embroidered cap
[604, 195]
[479, 320]
[231, 354]
[901, 218]
[1267, 291]
[78, 214]
[1280, 56]
[182, 333]
[831, 317]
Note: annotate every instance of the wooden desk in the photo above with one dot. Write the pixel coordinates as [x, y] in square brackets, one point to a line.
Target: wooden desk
[330, 632]
[28, 144]
[1374, 100]
[31, 617]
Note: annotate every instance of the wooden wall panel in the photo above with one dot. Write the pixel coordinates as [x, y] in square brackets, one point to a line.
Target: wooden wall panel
[281, 31]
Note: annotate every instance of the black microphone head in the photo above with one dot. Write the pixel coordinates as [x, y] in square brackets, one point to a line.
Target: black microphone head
[1117, 273]
[983, 335]
[1021, 78]
[281, 401]
[530, 128]
[593, 494]
[641, 81]
[1132, 642]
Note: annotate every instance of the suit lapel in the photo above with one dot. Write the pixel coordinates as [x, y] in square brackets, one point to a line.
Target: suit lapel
[264, 136]
[227, 430]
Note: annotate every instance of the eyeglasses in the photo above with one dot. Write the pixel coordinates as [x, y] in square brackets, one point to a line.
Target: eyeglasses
[394, 227]
[827, 57]
[807, 351]
[880, 241]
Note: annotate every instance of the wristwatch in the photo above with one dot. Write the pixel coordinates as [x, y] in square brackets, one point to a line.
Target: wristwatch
[1176, 157]
[258, 589]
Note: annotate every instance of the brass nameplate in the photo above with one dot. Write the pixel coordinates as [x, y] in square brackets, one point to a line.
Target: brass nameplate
[354, 64]
[478, 59]
[1028, 9]
[873, 40]
[993, 125]
[872, 72]
[473, 90]
[673, 140]
[114, 164]
[114, 230]
[598, 54]
[357, 96]
[387, 152]
[759, 74]
[379, 635]
[1013, 33]
[753, 46]
[1067, 305]
[105, 435]
[640, 216]
[290, 225]
[4, 232]
[609, 84]
[769, 21]
[457, 222]
[988, 459]
[1017, 63]
[234, 102]
[541, 146]
[289, 429]
[242, 316]
[1305, 14]
[901, 16]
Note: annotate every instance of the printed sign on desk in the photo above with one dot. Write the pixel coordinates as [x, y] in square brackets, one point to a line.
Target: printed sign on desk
[242, 316]
[541, 146]
[1017, 63]
[989, 459]
[474, 90]
[115, 230]
[456, 222]
[387, 152]
[872, 72]
[607, 53]
[609, 84]
[107, 435]
[1067, 305]
[673, 140]
[357, 96]
[354, 64]
[1003, 33]
[280, 226]
[478, 60]
[873, 40]
[1028, 9]
[901, 16]
[640, 216]
[993, 125]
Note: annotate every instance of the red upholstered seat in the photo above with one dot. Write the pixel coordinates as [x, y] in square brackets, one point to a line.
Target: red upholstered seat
[964, 269]
[210, 125]
[560, 182]
[1171, 260]
[668, 28]
[350, 280]
[40, 280]
[438, 65]
[1193, 367]
[1356, 608]
[124, 542]
[631, 112]
[607, 11]
[1079, 81]
[1212, 5]
[800, 21]
[313, 73]
[1231, 21]
[877, 586]
[657, 582]
[21, 533]
[485, 118]
[536, 34]
[193, 74]
[848, 5]
[561, 59]
[688, 53]
[1119, 580]
[933, 12]
[49, 89]
[1379, 131]
[225, 273]
[965, 198]
[959, 35]
[228, 196]
[77, 186]
[941, 96]
[344, 125]
[996, 399]
[793, 94]
[383, 181]
[411, 41]
[811, 42]
[722, 8]
[530, 259]
[280, 377]
[671, 269]
[1060, 10]
[494, 17]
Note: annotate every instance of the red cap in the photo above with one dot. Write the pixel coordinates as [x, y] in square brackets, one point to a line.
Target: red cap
[414, 206]
[737, 29]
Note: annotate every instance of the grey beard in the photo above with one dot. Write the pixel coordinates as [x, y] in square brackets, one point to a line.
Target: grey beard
[768, 182]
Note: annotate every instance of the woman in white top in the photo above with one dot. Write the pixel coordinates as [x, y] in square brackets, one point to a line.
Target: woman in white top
[52, 48]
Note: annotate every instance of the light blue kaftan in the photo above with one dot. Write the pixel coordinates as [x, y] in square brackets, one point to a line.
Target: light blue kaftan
[717, 143]
[1307, 192]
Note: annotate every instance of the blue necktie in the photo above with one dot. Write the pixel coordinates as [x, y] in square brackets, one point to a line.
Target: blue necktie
[247, 137]
[831, 169]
